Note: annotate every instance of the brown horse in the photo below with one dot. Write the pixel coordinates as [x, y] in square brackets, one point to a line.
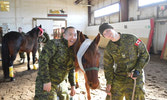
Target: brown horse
[90, 62]
[12, 43]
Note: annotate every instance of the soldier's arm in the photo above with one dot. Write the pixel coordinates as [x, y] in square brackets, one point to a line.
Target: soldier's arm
[108, 63]
[71, 65]
[71, 76]
[47, 52]
[47, 37]
[143, 56]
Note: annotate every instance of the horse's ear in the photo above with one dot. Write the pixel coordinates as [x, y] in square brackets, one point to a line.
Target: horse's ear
[97, 39]
[82, 38]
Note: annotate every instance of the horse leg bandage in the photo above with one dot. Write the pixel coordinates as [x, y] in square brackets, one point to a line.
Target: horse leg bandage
[11, 71]
[76, 76]
[34, 67]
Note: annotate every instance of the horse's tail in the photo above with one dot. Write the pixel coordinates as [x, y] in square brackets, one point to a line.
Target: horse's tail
[5, 57]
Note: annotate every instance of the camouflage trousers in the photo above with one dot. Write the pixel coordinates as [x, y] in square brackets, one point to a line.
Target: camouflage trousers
[120, 89]
[58, 92]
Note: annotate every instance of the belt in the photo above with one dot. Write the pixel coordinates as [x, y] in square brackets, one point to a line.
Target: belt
[128, 74]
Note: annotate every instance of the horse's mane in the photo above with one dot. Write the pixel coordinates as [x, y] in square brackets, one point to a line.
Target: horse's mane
[31, 32]
[92, 47]
[86, 36]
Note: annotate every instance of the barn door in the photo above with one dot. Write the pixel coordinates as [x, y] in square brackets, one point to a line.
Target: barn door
[49, 24]
[159, 36]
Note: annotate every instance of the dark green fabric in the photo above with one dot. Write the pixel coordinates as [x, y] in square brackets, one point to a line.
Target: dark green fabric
[119, 90]
[56, 63]
[121, 57]
[58, 91]
[46, 38]
[43, 39]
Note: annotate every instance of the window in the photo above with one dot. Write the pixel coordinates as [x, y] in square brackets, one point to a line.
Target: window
[4, 6]
[149, 2]
[107, 10]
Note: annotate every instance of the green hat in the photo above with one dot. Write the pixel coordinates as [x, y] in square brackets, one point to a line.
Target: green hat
[104, 26]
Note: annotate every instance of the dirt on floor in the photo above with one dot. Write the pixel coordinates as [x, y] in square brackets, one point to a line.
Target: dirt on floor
[23, 88]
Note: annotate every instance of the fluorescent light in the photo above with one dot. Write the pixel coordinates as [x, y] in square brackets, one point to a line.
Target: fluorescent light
[148, 2]
[107, 10]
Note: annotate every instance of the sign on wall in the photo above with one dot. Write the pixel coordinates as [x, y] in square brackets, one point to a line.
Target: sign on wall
[57, 13]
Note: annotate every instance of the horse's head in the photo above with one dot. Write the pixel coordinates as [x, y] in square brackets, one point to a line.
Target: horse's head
[90, 59]
[36, 32]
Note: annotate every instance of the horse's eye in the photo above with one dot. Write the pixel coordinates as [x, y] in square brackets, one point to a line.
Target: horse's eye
[83, 60]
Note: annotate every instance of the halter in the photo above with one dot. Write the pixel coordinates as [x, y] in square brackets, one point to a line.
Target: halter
[84, 46]
[41, 31]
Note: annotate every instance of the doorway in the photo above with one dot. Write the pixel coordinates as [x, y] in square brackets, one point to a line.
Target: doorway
[50, 24]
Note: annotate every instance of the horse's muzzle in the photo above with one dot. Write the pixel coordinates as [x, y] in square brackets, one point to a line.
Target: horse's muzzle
[94, 86]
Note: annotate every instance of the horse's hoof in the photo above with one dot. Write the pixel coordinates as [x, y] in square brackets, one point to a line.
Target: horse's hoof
[77, 85]
[12, 79]
[29, 68]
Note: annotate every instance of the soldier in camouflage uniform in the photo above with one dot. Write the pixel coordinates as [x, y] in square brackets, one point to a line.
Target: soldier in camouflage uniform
[123, 55]
[56, 63]
[21, 54]
[62, 31]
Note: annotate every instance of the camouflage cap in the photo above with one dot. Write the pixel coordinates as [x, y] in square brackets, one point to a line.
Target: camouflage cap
[104, 26]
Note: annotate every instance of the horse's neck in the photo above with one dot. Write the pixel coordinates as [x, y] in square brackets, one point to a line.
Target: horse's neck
[77, 47]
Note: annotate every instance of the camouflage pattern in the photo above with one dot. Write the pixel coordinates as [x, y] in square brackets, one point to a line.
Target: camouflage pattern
[21, 54]
[45, 38]
[42, 39]
[120, 58]
[56, 63]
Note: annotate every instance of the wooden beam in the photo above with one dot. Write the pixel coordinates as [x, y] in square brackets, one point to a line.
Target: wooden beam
[123, 10]
[89, 12]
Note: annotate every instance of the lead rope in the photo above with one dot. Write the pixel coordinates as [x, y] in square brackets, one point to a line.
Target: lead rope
[111, 96]
[134, 87]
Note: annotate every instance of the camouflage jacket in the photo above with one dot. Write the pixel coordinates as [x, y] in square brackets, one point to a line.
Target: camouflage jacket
[123, 56]
[44, 38]
[56, 62]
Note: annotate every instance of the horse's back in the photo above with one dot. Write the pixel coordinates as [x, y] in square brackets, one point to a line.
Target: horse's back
[12, 35]
[13, 40]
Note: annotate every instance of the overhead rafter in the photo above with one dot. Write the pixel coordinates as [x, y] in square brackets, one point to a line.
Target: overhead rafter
[77, 1]
[82, 2]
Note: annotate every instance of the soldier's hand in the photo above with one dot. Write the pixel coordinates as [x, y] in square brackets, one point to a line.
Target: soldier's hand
[72, 91]
[47, 87]
[135, 74]
[133, 77]
[108, 89]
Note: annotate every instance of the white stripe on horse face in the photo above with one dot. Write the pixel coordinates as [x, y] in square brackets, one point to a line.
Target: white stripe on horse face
[84, 46]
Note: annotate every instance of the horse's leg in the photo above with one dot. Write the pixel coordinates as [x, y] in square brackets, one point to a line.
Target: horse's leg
[34, 59]
[11, 73]
[87, 87]
[76, 79]
[28, 59]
